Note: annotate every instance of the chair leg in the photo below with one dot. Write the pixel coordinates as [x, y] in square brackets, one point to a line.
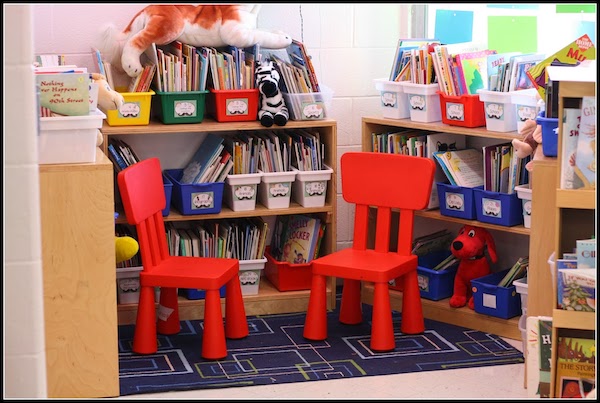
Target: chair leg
[168, 311]
[236, 323]
[412, 310]
[144, 336]
[351, 305]
[382, 330]
[213, 338]
[315, 324]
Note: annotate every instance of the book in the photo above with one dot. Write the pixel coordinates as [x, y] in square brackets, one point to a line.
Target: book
[574, 53]
[533, 344]
[65, 93]
[209, 148]
[436, 142]
[570, 135]
[545, 356]
[576, 289]
[505, 161]
[462, 167]
[494, 61]
[585, 156]
[586, 253]
[518, 73]
[300, 239]
[436, 241]
[517, 271]
[472, 67]
[575, 363]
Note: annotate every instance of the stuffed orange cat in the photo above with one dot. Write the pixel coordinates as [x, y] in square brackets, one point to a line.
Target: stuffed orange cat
[205, 25]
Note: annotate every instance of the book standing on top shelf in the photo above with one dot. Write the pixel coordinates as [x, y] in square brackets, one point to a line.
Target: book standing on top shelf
[585, 158]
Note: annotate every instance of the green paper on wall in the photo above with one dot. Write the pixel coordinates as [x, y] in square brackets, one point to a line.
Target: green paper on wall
[512, 34]
[575, 8]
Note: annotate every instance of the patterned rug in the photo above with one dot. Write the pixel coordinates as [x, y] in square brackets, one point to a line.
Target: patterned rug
[276, 352]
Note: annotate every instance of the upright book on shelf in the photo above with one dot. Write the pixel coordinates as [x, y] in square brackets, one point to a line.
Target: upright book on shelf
[65, 93]
[570, 135]
[585, 159]
[208, 150]
[472, 67]
[462, 167]
[300, 240]
[575, 363]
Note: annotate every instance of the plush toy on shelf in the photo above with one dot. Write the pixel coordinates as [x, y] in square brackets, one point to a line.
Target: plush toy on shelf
[272, 105]
[125, 248]
[531, 143]
[214, 25]
[469, 247]
[108, 99]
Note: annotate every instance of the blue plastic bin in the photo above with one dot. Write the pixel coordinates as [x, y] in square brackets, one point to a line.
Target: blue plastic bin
[435, 285]
[491, 299]
[456, 201]
[549, 134]
[200, 198]
[193, 293]
[498, 208]
[168, 192]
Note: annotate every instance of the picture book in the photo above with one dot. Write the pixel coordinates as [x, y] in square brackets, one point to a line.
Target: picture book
[570, 135]
[65, 93]
[575, 364]
[575, 52]
[462, 167]
[532, 347]
[545, 357]
[521, 64]
[436, 142]
[494, 61]
[577, 289]
[209, 149]
[505, 161]
[301, 238]
[585, 159]
[472, 67]
[586, 253]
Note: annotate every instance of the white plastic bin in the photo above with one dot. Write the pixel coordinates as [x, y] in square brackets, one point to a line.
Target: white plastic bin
[526, 105]
[241, 190]
[275, 189]
[250, 272]
[524, 193]
[499, 111]
[424, 102]
[309, 106]
[69, 139]
[394, 101]
[310, 187]
[128, 285]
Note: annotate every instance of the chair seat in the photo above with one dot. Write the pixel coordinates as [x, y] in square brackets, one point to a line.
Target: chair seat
[366, 265]
[190, 272]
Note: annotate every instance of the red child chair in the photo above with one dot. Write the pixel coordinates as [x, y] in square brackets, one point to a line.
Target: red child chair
[385, 181]
[142, 191]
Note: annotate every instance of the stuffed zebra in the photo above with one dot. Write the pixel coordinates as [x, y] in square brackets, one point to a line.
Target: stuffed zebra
[272, 105]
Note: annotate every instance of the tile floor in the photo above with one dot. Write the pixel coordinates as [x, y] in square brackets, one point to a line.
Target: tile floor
[497, 382]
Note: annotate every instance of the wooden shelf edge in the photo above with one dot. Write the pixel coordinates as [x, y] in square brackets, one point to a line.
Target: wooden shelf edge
[573, 320]
[465, 317]
[576, 198]
[437, 215]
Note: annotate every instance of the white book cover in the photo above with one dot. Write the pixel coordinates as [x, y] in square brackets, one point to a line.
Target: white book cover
[585, 160]
[570, 135]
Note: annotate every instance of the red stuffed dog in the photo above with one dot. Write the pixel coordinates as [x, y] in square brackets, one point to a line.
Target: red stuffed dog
[469, 247]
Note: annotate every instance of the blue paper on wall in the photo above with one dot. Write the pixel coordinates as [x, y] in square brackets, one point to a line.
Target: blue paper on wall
[453, 26]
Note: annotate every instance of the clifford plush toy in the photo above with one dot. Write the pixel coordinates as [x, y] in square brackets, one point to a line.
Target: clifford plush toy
[214, 25]
[469, 247]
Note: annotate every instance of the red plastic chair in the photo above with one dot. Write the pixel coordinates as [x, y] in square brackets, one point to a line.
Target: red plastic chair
[142, 192]
[384, 181]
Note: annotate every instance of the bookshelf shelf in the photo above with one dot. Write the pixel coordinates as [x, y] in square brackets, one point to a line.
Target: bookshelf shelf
[575, 218]
[269, 299]
[440, 310]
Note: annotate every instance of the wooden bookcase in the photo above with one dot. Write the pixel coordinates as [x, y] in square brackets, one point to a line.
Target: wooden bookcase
[78, 258]
[441, 310]
[575, 218]
[268, 300]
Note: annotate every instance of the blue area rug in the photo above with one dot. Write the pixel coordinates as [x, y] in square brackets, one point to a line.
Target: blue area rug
[276, 352]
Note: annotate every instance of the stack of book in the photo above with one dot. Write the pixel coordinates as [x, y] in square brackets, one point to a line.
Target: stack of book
[296, 238]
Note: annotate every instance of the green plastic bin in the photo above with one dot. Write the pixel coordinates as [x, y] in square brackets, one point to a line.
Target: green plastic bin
[180, 107]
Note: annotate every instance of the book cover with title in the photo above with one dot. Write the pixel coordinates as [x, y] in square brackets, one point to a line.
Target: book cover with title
[585, 159]
[575, 364]
[65, 93]
[301, 237]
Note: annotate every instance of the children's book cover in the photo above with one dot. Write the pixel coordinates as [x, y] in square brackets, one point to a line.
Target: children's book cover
[65, 93]
[574, 53]
[585, 159]
[575, 364]
[545, 357]
[586, 253]
[494, 61]
[570, 135]
[301, 237]
[473, 66]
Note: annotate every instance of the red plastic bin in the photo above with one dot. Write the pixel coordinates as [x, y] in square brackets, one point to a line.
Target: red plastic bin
[286, 276]
[233, 105]
[462, 110]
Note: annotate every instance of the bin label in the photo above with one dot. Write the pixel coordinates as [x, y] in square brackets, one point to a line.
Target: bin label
[455, 111]
[492, 207]
[455, 201]
[129, 110]
[202, 200]
[388, 99]
[236, 106]
[245, 192]
[423, 283]
[281, 189]
[525, 112]
[184, 108]
[315, 188]
[494, 110]
[313, 110]
[417, 102]
[249, 277]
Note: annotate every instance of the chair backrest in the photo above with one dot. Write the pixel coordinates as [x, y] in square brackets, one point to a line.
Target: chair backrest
[143, 195]
[386, 181]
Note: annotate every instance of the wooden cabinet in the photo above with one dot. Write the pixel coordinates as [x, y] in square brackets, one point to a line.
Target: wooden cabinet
[441, 310]
[78, 258]
[268, 300]
[575, 218]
